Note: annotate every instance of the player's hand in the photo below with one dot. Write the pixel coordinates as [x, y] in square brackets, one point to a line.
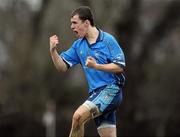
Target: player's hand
[91, 62]
[53, 41]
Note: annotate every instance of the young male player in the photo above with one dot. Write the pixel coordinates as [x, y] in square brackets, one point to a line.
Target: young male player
[103, 63]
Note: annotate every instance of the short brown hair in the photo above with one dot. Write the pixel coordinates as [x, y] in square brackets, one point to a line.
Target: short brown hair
[84, 13]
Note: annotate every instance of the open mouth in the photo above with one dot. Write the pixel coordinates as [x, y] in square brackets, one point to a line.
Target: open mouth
[75, 32]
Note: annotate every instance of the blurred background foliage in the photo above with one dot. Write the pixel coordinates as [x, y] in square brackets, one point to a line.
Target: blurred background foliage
[149, 33]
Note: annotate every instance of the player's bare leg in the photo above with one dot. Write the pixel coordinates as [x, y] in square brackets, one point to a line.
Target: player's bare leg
[107, 132]
[80, 117]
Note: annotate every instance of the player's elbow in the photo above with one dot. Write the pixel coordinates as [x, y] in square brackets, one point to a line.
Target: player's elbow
[119, 70]
[61, 69]
[61, 66]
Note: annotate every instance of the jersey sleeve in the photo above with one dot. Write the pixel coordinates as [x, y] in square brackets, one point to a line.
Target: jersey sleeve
[116, 53]
[70, 56]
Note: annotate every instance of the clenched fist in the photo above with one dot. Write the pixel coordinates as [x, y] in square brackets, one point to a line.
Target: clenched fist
[91, 62]
[53, 41]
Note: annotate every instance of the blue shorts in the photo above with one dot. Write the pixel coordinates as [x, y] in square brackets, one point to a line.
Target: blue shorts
[107, 99]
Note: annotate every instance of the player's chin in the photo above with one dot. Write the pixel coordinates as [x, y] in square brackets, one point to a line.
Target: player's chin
[79, 36]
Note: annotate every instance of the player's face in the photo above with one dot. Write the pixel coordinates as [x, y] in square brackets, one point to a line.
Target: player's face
[78, 26]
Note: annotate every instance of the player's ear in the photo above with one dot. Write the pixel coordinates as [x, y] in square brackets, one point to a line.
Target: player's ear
[87, 22]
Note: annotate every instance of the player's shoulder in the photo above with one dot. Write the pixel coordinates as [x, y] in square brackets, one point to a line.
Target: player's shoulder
[77, 42]
[108, 36]
[110, 39]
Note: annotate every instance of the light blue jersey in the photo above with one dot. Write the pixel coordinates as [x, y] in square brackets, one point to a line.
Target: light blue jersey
[105, 50]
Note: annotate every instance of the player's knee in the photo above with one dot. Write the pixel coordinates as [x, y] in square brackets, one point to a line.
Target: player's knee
[76, 118]
[107, 135]
[107, 132]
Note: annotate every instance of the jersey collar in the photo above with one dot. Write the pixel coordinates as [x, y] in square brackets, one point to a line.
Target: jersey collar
[99, 38]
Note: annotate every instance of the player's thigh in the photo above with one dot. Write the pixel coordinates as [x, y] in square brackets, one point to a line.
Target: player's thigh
[107, 132]
[82, 114]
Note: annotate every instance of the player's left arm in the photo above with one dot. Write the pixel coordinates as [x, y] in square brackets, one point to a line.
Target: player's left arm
[111, 67]
[117, 59]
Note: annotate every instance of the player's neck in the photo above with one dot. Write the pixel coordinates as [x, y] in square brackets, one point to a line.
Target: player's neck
[92, 35]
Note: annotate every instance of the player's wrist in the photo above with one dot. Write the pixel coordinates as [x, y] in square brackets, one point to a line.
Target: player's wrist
[52, 49]
[96, 66]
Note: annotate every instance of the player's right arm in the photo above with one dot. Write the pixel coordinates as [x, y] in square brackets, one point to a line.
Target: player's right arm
[57, 60]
